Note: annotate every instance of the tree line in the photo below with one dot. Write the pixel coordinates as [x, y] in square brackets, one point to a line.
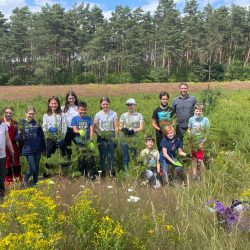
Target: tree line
[79, 45]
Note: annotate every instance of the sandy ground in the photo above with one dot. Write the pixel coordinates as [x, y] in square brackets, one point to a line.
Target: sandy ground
[98, 90]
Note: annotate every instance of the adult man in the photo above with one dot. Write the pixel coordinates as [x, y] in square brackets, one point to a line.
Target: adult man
[183, 107]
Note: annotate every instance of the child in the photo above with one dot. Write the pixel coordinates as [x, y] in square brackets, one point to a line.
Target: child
[4, 141]
[69, 110]
[13, 168]
[106, 128]
[83, 129]
[196, 125]
[162, 116]
[150, 159]
[31, 135]
[131, 123]
[168, 157]
[54, 127]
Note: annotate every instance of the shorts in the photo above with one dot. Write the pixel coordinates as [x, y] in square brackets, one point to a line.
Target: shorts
[198, 154]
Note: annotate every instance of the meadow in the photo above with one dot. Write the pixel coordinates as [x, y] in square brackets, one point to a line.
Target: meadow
[70, 212]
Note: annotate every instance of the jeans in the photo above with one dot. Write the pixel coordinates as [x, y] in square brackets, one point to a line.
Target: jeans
[126, 149]
[33, 162]
[106, 147]
[2, 175]
[166, 171]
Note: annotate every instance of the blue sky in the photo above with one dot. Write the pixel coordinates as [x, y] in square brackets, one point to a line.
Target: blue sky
[6, 6]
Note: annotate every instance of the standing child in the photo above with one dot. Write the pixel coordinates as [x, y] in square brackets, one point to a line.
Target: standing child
[197, 125]
[168, 157]
[31, 135]
[4, 141]
[83, 130]
[131, 123]
[54, 127]
[162, 117]
[150, 159]
[13, 168]
[70, 110]
[106, 128]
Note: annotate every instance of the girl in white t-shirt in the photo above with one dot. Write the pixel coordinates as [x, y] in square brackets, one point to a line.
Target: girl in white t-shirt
[70, 110]
[4, 140]
[106, 128]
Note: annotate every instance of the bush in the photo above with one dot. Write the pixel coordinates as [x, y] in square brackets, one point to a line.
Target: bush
[117, 78]
[236, 71]
[160, 75]
[4, 78]
[15, 80]
[87, 77]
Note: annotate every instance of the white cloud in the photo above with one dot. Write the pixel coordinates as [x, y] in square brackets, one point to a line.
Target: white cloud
[150, 6]
[6, 6]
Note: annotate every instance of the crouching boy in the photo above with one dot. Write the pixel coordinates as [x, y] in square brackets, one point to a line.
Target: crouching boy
[168, 157]
[83, 129]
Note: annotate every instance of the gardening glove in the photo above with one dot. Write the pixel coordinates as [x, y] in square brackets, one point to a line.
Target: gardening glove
[131, 132]
[177, 164]
[82, 132]
[12, 159]
[91, 146]
[53, 130]
[125, 131]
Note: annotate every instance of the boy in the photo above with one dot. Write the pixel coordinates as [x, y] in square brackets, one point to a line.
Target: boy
[83, 128]
[196, 125]
[162, 116]
[150, 159]
[170, 146]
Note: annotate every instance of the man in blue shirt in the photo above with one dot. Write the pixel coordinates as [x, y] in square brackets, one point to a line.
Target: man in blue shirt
[183, 107]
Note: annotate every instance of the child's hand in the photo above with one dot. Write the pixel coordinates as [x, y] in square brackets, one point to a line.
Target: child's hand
[82, 132]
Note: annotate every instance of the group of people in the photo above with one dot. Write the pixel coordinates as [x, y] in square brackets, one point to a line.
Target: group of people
[63, 125]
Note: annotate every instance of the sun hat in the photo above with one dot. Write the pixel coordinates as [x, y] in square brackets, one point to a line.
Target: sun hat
[131, 101]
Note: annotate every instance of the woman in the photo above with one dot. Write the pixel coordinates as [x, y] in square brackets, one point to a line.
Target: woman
[106, 128]
[13, 168]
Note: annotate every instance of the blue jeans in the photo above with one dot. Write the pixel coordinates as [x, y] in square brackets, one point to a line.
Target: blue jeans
[166, 171]
[106, 147]
[33, 162]
[126, 150]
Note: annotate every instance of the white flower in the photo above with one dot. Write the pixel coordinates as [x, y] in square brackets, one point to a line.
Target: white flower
[130, 190]
[51, 182]
[82, 186]
[109, 187]
[144, 183]
[133, 199]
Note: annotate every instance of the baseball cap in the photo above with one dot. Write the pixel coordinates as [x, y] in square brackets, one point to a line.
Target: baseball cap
[131, 101]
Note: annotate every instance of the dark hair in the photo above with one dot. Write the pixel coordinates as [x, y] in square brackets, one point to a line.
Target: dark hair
[70, 93]
[149, 138]
[104, 98]
[82, 105]
[163, 93]
[58, 110]
[9, 107]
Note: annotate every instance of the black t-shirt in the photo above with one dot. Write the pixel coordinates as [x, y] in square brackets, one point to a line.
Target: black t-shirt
[163, 117]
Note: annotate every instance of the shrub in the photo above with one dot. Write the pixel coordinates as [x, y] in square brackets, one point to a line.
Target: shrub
[117, 78]
[87, 77]
[15, 80]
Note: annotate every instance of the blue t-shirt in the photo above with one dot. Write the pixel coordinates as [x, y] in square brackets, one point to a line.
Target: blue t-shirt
[196, 124]
[172, 146]
[82, 123]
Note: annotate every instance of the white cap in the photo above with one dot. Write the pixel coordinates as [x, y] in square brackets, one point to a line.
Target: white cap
[131, 101]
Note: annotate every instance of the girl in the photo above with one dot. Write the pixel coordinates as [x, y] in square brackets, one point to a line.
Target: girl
[54, 126]
[32, 137]
[70, 110]
[106, 128]
[13, 168]
[4, 140]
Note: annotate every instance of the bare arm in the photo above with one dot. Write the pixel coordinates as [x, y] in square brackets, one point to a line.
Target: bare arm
[180, 151]
[140, 127]
[116, 126]
[96, 127]
[158, 166]
[91, 131]
[155, 126]
[164, 151]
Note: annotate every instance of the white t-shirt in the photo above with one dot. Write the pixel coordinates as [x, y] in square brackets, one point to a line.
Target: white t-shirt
[3, 130]
[106, 120]
[55, 121]
[69, 114]
[131, 120]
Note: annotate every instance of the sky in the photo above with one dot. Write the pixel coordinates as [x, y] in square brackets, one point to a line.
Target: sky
[6, 6]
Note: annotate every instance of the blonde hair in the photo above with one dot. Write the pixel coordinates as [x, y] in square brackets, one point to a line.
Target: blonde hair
[167, 129]
[30, 108]
[198, 106]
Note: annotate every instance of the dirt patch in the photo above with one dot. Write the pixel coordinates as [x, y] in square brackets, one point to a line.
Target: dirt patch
[97, 90]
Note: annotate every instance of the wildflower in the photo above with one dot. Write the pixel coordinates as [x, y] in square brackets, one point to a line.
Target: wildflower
[109, 187]
[51, 182]
[82, 186]
[133, 199]
[130, 190]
